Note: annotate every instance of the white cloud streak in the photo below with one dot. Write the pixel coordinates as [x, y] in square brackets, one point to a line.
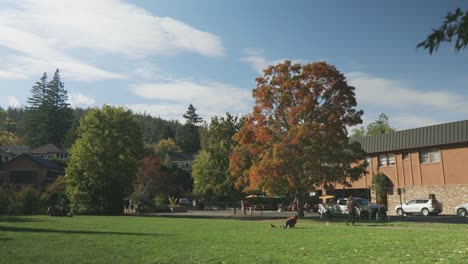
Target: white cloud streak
[377, 91]
[210, 98]
[48, 34]
[78, 99]
[406, 107]
[258, 62]
[13, 101]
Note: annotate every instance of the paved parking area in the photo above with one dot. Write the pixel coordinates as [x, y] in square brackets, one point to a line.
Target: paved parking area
[264, 215]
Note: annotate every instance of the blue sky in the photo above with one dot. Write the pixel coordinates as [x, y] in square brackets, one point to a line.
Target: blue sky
[160, 56]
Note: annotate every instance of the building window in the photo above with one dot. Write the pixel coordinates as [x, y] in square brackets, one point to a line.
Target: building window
[405, 155]
[391, 159]
[367, 160]
[386, 159]
[429, 155]
[382, 160]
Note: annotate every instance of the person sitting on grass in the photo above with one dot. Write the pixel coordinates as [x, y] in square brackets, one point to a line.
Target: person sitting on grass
[291, 222]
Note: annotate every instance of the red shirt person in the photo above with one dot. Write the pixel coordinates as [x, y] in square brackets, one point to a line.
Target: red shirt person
[291, 222]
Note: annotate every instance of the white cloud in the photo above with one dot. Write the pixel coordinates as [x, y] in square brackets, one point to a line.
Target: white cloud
[412, 121]
[382, 92]
[13, 101]
[52, 32]
[258, 62]
[150, 71]
[406, 107]
[210, 98]
[24, 67]
[78, 99]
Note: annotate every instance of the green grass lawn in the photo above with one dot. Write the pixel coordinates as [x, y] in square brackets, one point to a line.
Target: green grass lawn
[126, 239]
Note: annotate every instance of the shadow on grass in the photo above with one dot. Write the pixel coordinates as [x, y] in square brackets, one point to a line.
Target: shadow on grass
[87, 232]
[19, 219]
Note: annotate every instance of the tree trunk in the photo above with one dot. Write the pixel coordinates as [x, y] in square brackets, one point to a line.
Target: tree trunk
[300, 206]
[243, 206]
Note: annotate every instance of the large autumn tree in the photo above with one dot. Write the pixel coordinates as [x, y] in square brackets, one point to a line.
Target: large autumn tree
[296, 139]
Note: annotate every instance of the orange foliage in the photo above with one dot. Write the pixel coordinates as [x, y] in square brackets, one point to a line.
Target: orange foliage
[298, 124]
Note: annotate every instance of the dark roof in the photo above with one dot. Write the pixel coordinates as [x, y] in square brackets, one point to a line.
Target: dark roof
[48, 164]
[16, 149]
[181, 156]
[46, 149]
[430, 136]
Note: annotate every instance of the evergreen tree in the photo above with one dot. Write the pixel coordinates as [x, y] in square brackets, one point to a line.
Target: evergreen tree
[48, 116]
[188, 138]
[59, 114]
[35, 122]
[191, 116]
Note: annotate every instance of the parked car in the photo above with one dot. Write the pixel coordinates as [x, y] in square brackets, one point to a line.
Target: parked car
[462, 209]
[419, 206]
[364, 208]
[184, 202]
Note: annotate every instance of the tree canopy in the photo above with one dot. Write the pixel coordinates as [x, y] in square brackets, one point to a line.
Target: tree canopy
[454, 27]
[296, 139]
[210, 171]
[188, 137]
[103, 161]
[48, 116]
[379, 126]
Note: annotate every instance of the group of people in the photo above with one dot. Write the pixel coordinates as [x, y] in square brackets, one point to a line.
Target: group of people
[130, 207]
[352, 213]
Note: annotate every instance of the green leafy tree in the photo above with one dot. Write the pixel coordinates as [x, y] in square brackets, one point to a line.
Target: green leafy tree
[7, 199]
[188, 137]
[358, 132]
[212, 177]
[379, 126]
[164, 146]
[454, 27]
[104, 159]
[296, 137]
[71, 135]
[380, 184]
[204, 176]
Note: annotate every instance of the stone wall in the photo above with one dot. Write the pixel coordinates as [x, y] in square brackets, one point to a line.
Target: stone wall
[449, 195]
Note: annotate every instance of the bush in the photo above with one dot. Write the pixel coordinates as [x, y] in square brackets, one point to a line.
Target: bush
[30, 201]
[7, 199]
[159, 200]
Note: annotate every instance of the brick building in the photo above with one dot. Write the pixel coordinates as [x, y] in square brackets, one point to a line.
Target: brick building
[424, 161]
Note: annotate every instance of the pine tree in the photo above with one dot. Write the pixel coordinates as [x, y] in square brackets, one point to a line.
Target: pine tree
[48, 116]
[188, 138]
[60, 114]
[191, 116]
[36, 114]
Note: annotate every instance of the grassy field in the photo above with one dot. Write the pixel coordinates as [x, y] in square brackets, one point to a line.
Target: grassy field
[126, 239]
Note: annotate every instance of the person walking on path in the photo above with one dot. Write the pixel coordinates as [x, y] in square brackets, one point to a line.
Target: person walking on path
[351, 210]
